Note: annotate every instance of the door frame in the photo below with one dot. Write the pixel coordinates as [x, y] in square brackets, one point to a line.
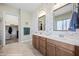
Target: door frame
[19, 29]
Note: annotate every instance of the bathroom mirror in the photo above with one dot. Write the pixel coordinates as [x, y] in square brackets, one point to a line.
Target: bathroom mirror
[41, 23]
[62, 18]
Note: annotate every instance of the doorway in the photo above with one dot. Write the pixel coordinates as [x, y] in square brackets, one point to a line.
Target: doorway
[11, 29]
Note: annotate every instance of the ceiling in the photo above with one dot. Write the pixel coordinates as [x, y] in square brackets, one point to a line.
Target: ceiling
[25, 6]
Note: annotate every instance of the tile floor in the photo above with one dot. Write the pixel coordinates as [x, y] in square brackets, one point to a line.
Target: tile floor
[19, 49]
[13, 40]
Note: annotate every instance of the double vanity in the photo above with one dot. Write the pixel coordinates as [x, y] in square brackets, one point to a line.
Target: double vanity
[61, 41]
[49, 45]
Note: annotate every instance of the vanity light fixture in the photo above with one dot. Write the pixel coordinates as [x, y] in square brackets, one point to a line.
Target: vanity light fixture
[26, 23]
[42, 12]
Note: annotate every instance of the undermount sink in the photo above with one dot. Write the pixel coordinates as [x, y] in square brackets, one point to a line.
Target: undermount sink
[60, 35]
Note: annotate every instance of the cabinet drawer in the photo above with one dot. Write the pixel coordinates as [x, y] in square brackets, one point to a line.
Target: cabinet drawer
[63, 52]
[62, 44]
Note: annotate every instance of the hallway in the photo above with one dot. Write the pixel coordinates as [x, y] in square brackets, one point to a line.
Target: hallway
[19, 49]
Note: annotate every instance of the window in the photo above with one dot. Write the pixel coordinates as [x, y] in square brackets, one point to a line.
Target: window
[59, 25]
[62, 17]
[63, 24]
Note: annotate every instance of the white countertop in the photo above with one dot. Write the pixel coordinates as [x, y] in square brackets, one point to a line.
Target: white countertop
[74, 40]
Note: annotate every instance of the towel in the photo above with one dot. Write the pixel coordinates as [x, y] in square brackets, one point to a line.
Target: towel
[78, 17]
[73, 22]
[10, 30]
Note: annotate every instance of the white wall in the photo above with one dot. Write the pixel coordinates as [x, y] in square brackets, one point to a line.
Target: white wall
[26, 21]
[8, 9]
[11, 20]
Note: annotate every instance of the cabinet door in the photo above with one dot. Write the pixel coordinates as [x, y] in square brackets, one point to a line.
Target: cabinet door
[63, 52]
[34, 41]
[37, 43]
[43, 45]
[43, 51]
[43, 42]
[77, 50]
[50, 49]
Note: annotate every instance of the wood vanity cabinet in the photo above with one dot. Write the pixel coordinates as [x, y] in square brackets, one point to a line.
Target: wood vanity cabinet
[42, 45]
[50, 49]
[63, 52]
[35, 41]
[64, 49]
[77, 50]
[56, 48]
[39, 43]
